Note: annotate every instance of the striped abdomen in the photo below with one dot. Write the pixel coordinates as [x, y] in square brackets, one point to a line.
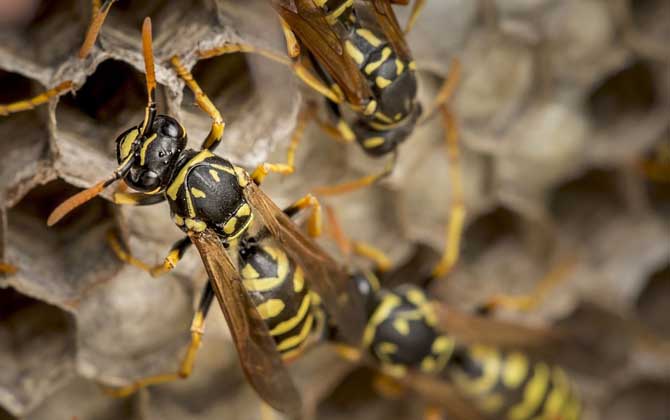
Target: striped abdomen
[278, 289]
[509, 385]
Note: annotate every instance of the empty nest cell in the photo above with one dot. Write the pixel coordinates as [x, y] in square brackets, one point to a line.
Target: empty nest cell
[652, 304]
[70, 257]
[36, 350]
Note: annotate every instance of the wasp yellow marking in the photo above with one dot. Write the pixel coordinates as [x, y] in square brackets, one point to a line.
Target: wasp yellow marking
[242, 176]
[380, 116]
[412, 65]
[371, 67]
[332, 17]
[428, 364]
[145, 146]
[399, 67]
[244, 210]
[320, 3]
[387, 348]
[270, 308]
[389, 302]
[402, 326]
[297, 339]
[127, 143]
[373, 280]
[229, 227]
[345, 131]
[173, 189]
[397, 117]
[224, 168]
[533, 394]
[263, 284]
[292, 354]
[395, 371]
[298, 280]
[289, 324]
[215, 175]
[371, 142]
[416, 296]
[370, 108]
[354, 52]
[195, 225]
[197, 193]
[515, 370]
[443, 347]
[558, 396]
[316, 299]
[178, 220]
[491, 403]
[490, 361]
[367, 35]
[173, 257]
[382, 82]
[249, 272]
[573, 410]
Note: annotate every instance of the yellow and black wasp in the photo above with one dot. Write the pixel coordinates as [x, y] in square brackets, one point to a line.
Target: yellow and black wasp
[473, 367]
[216, 203]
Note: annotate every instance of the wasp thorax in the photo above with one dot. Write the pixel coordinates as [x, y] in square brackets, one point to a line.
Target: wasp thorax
[154, 155]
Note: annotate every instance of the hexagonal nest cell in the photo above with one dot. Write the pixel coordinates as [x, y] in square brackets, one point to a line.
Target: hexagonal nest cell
[551, 151]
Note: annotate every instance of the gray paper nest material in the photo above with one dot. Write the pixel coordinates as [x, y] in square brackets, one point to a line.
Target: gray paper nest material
[557, 101]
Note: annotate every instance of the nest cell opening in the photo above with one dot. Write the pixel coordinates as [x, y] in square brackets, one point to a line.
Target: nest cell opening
[68, 257]
[488, 230]
[624, 94]
[25, 136]
[652, 304]
[112, 100]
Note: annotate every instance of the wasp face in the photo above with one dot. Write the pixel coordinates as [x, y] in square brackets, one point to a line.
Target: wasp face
[154, 155]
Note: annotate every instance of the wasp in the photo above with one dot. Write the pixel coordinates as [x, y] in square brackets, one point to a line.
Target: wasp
[216, 203]
[471, 366]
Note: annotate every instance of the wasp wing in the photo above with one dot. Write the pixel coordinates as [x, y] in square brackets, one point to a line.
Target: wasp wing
[325, 276]
[260, 360]
[378, 15]
[443, 394]
[308, 22]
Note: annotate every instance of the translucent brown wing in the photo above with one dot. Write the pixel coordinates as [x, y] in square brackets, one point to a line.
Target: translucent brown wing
[324, 275]
[260, 360]
[379, 15]
[309, 24]
[443, 394]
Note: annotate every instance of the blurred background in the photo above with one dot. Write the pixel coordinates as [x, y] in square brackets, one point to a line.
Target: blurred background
[561, 103]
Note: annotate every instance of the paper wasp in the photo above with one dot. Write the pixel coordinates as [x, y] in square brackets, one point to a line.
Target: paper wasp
[472, 367]
[216, 203]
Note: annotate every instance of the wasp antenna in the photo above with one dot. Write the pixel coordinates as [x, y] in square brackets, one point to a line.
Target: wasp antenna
[94, 28]
[75, 201]
[147, 50]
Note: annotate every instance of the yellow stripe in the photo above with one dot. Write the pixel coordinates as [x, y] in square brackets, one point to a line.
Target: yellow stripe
[332, 17]
[263, 284]
[515, 370]
[399, 67]
[224, 168]
[145, 146]
[383, 311]
[298, 280]
[289, 324]
[345, 131]
[373, 142]
[297, 339]
[270, 308]
[127, 143]
[367, 35]
[197, 193]
[490, 360]
[230, 225]
[179, 179]
[354, 52]
[533, 394]
[215, 175]
[382, 82]
[558, 396]
[244, 210]
[386, 53]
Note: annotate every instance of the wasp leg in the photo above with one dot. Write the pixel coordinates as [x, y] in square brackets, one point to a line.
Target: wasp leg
[187, 363]
[36, 101]
[216, 132]
[98, 15]
[7, 268]
[303, 73]
[358, 183]
[173, 257]
[454, 229]
[388, 387]
[446, 91]
[417, 7]
[259, 174]
[315, 220]
[527, 302]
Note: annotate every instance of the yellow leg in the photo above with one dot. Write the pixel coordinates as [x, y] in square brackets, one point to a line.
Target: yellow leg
[351, 354]
[187, 363]
[7, 268]
[454, 229]
[357, 183]
[417, 7]
[262, 170]
[531, 300]
[292, 45]
[388, 387]
[35, 101]
[170, 262]
[315, 221]
[378, 257]
[341, 132]
[303, 73]
[446, 92]
[216, 132]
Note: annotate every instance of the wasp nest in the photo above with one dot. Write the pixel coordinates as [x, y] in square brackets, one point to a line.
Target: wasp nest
[558, 102]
